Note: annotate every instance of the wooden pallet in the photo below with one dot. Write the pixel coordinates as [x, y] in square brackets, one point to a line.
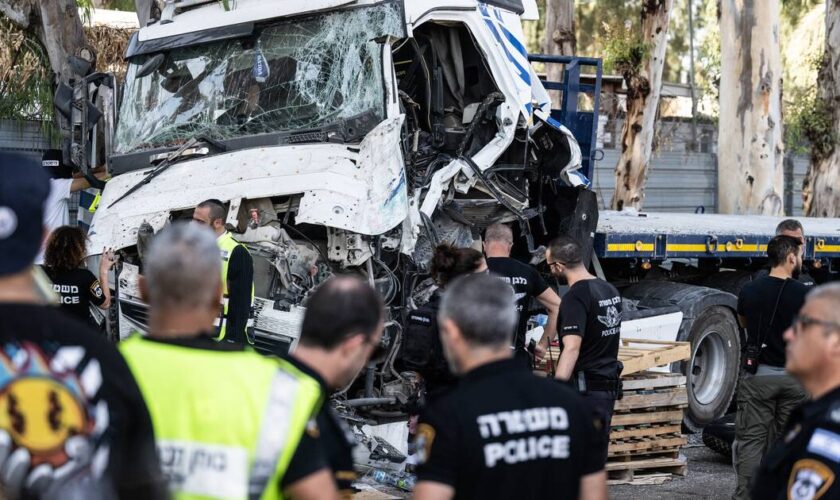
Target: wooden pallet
[645, 437]
[647, 444]
[660, 462]
[651, 380]
[656, 416]
[671, 397]
[645, 470]
[639, 355]
[644, 430]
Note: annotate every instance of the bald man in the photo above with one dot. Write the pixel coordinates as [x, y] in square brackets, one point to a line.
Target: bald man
[526, 282]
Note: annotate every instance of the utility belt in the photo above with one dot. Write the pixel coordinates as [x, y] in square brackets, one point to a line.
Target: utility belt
[585, 385]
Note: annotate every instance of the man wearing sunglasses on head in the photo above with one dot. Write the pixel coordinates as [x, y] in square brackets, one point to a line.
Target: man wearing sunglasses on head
[805, 461]
[589, 327]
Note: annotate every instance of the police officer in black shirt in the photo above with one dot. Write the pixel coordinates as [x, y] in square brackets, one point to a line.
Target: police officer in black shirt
[76, 286]
[421, 348]
[526, 282]
[805, 462]
[502, 432]
[336, 341]
[589, 330]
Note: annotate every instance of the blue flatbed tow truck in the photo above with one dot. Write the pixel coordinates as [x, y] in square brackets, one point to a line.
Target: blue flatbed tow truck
[689, 265]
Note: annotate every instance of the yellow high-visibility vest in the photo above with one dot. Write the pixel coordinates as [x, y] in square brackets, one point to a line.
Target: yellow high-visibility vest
[228, 437]
[226, 246]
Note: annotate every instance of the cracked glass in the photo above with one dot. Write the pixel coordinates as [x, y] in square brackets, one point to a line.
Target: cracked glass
[301, 73]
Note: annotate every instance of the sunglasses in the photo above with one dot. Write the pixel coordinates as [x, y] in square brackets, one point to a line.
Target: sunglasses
[801, 322]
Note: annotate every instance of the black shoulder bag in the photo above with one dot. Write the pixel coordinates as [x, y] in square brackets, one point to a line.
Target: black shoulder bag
[754, 342]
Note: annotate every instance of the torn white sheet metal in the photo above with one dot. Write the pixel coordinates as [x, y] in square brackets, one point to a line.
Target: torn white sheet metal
[411, 225]
[439, 180]
[499, 34]
[385, 204]
[532, 11]
[336, 182]
[570, 174]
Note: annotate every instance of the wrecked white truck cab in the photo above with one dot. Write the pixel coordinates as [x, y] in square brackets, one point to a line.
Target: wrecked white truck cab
[346, 136]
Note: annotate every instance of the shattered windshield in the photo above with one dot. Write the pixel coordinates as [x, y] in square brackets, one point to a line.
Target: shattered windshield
[299, 73]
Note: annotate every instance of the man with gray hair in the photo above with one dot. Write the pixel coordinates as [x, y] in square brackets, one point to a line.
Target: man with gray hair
[526, 282]
[805, 462]
[228, 422]
[502, 432]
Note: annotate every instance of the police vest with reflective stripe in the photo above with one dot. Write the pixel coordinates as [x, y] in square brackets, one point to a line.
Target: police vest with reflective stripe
[226, 437]
[226, 246]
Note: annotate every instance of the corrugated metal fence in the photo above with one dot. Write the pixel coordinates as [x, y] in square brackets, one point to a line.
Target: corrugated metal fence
[31, 139]
[681, 181]
[25, 138]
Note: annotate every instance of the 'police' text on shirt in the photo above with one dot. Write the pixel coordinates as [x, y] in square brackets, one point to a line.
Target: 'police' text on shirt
[507, 424]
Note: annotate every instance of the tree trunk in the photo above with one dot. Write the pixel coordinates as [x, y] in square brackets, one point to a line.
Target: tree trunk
[644, 84]
[750, 148]
[821, 189]
[57, 25]
[61, 33]
[560, 39]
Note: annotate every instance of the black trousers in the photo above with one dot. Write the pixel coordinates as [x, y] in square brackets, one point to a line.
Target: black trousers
[602, 404]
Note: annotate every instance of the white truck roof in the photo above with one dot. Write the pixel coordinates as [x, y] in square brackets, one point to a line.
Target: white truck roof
[211, 15]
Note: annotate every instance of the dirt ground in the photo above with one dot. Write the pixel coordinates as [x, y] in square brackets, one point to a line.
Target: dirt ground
[709, 476]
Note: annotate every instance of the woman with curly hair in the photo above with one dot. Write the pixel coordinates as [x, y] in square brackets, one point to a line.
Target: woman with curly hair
[422, 350]
[76, 286]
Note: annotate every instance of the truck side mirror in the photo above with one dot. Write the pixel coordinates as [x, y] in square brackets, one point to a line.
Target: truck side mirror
[80, 66]
[63, 99]
[151, 64]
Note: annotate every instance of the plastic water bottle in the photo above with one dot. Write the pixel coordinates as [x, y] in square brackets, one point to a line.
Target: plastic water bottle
[402, 481]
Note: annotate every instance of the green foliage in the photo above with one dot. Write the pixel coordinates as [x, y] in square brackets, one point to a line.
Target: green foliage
[794, 10]
[26, 81]
[86, 6]
[809, 127]
[708, 66]
[592, 15]
[26, 76]
[125, 5]
[624, 51]
[535, 31]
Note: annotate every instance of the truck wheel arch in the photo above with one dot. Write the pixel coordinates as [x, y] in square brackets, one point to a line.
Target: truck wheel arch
[710, 324]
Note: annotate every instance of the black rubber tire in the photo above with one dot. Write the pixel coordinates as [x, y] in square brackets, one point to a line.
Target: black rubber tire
[712, 370]
[728, 281]
[718, 445]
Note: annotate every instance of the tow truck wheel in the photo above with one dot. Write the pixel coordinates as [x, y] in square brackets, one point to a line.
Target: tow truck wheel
[712, 370]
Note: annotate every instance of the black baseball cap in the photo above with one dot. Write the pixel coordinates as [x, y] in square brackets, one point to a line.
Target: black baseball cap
[24, 188]
[53, 162]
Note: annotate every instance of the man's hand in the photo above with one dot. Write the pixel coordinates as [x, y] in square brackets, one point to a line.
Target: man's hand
[541, 348]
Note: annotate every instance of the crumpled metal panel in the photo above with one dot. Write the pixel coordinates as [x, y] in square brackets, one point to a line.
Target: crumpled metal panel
[380, 168]
[361, 191]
